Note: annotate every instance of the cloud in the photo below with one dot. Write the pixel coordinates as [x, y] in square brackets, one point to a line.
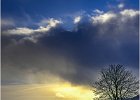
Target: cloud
[129, 12]
[77, 19]
[28, 31]
[75, 56]
[98, 11]
[7, 22]
[121, 5]
[51, 22]
[20, 31]
[103, 18]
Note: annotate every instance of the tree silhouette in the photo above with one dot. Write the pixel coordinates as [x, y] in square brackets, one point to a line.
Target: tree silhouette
[115, 83]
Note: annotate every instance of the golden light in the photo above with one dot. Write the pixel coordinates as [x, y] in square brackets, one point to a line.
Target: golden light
[54, 88]
[57, 91]
[68, 91]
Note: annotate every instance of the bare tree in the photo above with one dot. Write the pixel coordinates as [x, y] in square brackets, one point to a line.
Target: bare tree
[116, 83]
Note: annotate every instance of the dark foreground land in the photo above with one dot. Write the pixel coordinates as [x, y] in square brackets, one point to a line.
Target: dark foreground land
[135, 98]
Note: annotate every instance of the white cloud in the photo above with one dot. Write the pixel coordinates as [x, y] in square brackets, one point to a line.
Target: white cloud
[20, 31]
[97, 11]
[28, 31]
[103, 17]
[129, 12]
[46, 24]
[121, 5]
[77, 19]
[43, 29]
[52, 22]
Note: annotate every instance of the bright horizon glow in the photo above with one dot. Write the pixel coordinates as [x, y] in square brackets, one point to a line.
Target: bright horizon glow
[56, 91]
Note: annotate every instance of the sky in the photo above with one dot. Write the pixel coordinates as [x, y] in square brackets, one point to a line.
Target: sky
[55, 49]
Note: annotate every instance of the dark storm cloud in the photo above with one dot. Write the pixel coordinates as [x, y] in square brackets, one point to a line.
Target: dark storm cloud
[75, 55]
